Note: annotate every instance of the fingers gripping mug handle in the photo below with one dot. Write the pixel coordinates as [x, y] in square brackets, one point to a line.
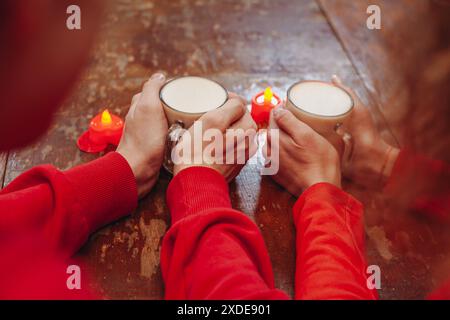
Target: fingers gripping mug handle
[174, 134]
[347, 138]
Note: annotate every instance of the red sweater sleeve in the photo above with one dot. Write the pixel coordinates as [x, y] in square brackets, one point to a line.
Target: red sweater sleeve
[330, 246]
[46, 215]
[422, 184]
[212, 251]
[66, 207]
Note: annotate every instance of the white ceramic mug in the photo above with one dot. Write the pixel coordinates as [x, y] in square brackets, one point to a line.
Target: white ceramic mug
[185, 99]
[323, 106]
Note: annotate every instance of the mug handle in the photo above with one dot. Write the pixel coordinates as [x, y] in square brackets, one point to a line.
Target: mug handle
[347, 138]
[174, 134]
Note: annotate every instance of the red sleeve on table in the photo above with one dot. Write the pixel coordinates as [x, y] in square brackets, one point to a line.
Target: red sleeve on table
[65, 207]
[46, 215]
[194, 190]
[330, 245]
[212, 251]
[106, 189]
[421, 184]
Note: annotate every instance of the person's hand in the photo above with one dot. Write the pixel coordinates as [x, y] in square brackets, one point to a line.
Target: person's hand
[222, 124]
[305, 157]
[144, 135]
[368, 159]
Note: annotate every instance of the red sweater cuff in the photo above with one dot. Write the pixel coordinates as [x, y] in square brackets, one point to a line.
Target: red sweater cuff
[105, 188]
[405, 164]
[322, 192]
[196, 189]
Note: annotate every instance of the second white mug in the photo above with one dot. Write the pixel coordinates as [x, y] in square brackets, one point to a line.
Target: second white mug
[322, 106]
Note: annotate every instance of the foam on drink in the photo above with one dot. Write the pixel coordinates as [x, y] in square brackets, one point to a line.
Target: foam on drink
[320, 98]
[193, 94]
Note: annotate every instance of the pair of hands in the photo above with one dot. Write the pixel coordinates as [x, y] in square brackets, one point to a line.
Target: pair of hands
[144, 135]
[306, 158]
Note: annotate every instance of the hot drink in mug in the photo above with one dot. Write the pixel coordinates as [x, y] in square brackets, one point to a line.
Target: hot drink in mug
[321, 105]
[185, 100]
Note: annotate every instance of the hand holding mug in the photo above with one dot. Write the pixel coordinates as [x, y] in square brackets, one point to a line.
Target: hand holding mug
[368, 159]
[143, 139]
[223, 122]
[305, 157]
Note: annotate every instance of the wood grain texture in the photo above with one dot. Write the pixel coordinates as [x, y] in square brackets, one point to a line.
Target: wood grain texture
[246, 45]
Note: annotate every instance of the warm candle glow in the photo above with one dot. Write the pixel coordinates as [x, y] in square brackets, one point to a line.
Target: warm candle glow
[106, 118]
[104, 129]
[268, 95]
[262, 103]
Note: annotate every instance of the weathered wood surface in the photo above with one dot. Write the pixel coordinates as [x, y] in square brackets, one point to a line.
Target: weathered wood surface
[246, 45]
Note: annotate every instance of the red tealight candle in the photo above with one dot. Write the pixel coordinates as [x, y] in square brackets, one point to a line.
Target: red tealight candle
[104, 129]
[262, 104]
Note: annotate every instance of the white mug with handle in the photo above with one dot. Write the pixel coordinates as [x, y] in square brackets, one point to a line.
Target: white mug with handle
[185, 99]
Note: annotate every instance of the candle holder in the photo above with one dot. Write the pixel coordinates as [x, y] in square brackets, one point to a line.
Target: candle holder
[104, 129]
[262, 103]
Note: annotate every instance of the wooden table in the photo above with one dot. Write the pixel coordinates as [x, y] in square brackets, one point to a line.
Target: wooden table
[246, 45]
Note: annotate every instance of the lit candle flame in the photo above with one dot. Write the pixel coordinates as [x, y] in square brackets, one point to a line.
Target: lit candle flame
[106, 118]
[268, 95]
